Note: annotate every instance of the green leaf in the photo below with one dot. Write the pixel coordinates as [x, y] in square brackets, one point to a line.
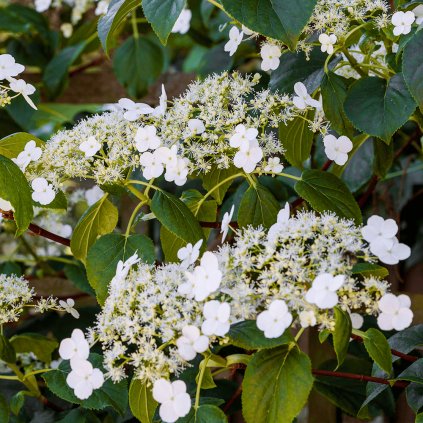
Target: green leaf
[208, 413]
[384, 111]
[4, 410]
[247, 335]
[324, 191]
[110, 23]
[412, 65]
[76, 273]
[413, 373]
[7, 353]
[297, 139]
[341, 334]
[101, 218]
[17, 402]
[79, 415]
[162, 14]
[109, 395]
[14, 188]
[171, 244]
[258, 207]
[334, 92]
[419, 418]
[297, 67]
[378, 348]
[177, 218]
[141, 401]
[276, 385]
[14, 144]
[40, 345]
[370, 269]
[282, 20]
[383, 157]
[107, 251]
[207, 382]
[218, 176]
[137, 63]
[414, 392]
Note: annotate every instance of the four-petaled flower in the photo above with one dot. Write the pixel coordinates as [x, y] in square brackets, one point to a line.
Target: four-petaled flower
[235, 38]
[43, 191]
[395, 312]
[224, 227]
[402, 22]
[242, 137]
[248, 159]
[337, 149]
[275, 320]
[307, 318]
[84, 379]
[217, 318]
[8, 67]
[379, 229]
[274, 165]
[30, 154]
[152, 164]
[303, 98]
[75, 348]
[134, 110]
[68, 306]
[270, 54]
[146, 138]
[327, 42]
[173, 399]
[178, 172]
[189, 254]
[22, 87]
[191, 342]
[390, 251]
[90, 147]
[323, 291]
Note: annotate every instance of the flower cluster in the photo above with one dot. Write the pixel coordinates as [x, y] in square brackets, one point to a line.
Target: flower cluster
[8, 70]
[157, 319]
[207, 127]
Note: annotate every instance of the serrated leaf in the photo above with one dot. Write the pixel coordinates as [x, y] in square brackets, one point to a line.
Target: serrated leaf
[384, 111]
[341, 334]
[325, 192]
[247, 335]
[109, 24]
[15, 188]
[100, 219]
[107, 251]
[283, 20]
[276, 385]
[162, 14]
[413, 373]
[141, 401]
[258, 207]
[378, 348]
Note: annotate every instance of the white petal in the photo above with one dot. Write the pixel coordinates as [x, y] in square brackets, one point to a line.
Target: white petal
[384, 321]
[167, 412]
[83, 390]
[182, 404]
[389, 304]
[403, 319]
[201, 344]
[162, 390]
[404, 301]
[97, 379]
[67, 349]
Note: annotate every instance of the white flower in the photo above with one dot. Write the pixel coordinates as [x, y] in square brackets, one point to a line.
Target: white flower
[122, 269]
[68, 307]
[402, 22]
[282, 220]
[270, 54]
[327, 42]
[224, 227]
[178, 172]
[90, 147]
[43, 191]
[21, 87]
[247, 160]
[274, 165]
[242, 137]
[93, 194]
[182, 24]
[418, 12]
[173, 399]
[337, 149]
[204, 280]
[307, 318]
[323, 291]
[395, 312]
[235, 39]
[189, 254]
[5, 205]
[146, 138]
[42, 5]
[196, 126]
[67, 30]
[84, 379]
[30, 153]
[356, 320]
[75, 348]
[274, 321]
[152, 163]
[379, 229]
[8, 67]
[217, 318]
[102, 7]
[191, 342]
[303, 98]
[247, 31]
[168, 156]
[390, 251]
[134, 110]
